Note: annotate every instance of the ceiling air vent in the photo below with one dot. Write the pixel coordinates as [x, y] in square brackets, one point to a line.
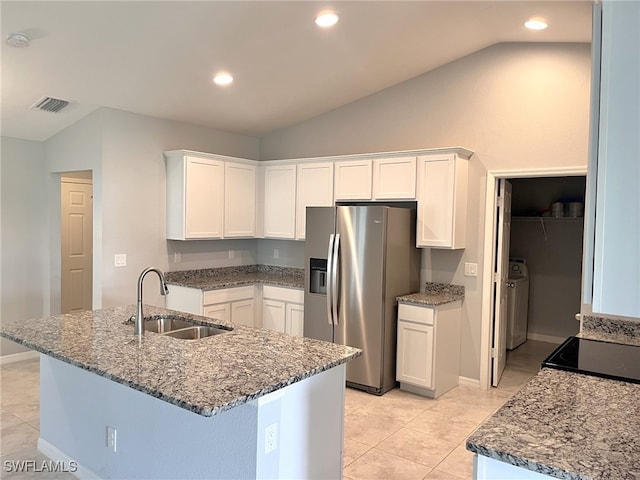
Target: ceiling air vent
[50, 104]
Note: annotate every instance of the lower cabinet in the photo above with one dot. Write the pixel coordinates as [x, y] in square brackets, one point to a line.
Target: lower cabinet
[227, 304]
[428, 353]
[283, 310]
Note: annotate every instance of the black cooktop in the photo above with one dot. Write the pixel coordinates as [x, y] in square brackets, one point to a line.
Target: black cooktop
[593, 357]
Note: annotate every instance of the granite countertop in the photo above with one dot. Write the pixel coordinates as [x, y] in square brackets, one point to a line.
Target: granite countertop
[567, 425]
[226, 277]
[610, 330]
[434, 294]
[206, 376]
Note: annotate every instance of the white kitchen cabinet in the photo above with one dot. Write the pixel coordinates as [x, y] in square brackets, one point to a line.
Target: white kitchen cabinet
[273, 315]
[442, 201]
[227, 304]
[239, 200]
[243, 312]
[615, 137]
[352, 179]
[294, 319]
[195, 197]
[314, 189]
[283, 309]
[428, 350]
[394, 178]
[219, 311]
[280, 201]
[209, 196]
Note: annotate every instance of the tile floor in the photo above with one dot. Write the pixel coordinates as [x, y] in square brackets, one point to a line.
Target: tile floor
[396, 436]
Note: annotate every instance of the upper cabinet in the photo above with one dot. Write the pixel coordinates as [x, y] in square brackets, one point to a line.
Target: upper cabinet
[352, 179]
[614, 224]
[442, 200]
[194, 197]
[394, 178]
[211, 196]
[239, 200]
[391, 178]
[198, 204]
[280, 201]
[288, 189]
[314, 189]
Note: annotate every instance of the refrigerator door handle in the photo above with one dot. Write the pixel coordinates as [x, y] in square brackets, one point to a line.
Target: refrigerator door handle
[329, 282]
[335, 277]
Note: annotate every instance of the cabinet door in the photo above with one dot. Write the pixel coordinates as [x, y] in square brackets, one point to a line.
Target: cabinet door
[353, 180]
[314, 189]
[394, 178]
[204, 184]
[219, 311]
[280, 201]
[442, 201]
[242, 312]
[295, 319]
[273, 315]
[415, 354]
[239, 200]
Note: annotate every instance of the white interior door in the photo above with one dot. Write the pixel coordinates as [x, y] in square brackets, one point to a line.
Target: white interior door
[77, 245]
[501, 272]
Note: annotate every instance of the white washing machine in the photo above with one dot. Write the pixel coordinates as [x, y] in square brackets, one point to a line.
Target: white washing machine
[517, 304]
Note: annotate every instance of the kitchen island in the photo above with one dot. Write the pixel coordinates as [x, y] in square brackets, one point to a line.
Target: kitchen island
[248, 403]
[567, 425]
[562, 425]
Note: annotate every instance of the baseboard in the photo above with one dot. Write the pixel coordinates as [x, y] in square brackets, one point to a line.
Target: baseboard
[545, 338]
[469, 382]
[67, 462]
[18, 357]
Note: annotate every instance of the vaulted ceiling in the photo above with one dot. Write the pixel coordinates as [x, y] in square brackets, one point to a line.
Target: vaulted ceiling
[157, 58]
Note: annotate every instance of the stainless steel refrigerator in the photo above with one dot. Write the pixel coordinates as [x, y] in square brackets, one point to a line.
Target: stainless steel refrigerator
[358, 260]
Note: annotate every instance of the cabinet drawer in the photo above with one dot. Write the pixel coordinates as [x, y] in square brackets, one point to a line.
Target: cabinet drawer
[228, 294]
[291, 295]
[424, 315]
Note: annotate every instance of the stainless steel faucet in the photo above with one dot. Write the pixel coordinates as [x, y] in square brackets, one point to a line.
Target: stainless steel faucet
[139, 319]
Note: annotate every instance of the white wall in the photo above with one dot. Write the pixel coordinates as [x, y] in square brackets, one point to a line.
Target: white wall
[23, 233]
[290, 253]
[124, 153]
[516, 105]
[134, 203]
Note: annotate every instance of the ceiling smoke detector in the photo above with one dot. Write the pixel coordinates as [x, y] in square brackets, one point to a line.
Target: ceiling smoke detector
[50, 104]
[18, 39]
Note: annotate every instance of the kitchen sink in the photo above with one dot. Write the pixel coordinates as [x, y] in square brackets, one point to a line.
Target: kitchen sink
[194, 333]
[164, 324]
[177, 326]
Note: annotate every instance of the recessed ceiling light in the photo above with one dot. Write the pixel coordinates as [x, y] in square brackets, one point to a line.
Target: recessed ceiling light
[17, 39]
[535, 24]
[223, 79]
[327, 19]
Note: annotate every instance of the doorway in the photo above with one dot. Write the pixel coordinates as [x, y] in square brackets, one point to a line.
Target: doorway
[549, 245]
[76, 240]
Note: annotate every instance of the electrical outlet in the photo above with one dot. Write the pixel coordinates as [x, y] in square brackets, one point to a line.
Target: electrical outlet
[177, 257]
[271, 438]
[276, 253]
[112, 435]
[470, 269]
[120, 260]
[231, 254]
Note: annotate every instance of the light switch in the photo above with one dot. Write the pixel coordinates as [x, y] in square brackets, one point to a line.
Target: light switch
[470, 269]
